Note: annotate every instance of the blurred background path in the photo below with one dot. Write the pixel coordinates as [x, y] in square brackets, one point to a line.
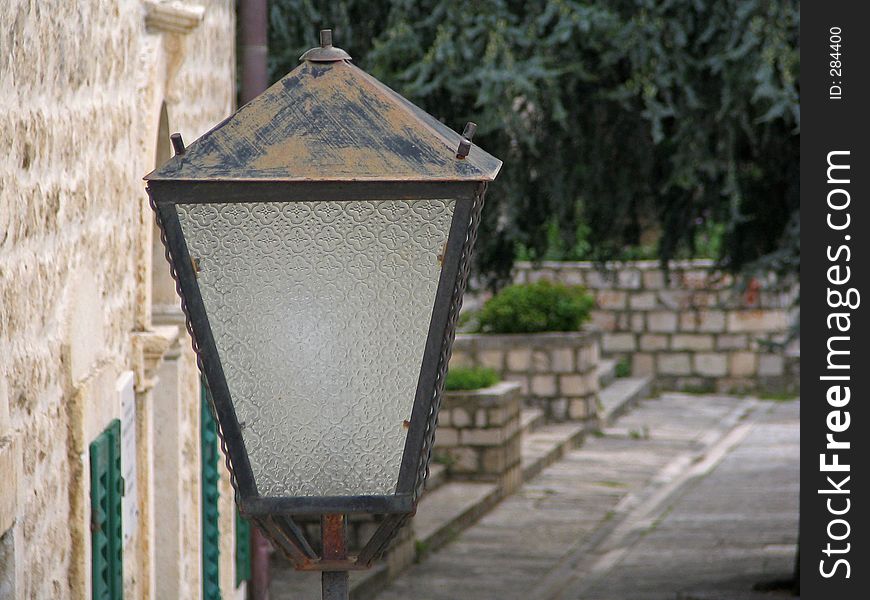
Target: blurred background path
[687, 496]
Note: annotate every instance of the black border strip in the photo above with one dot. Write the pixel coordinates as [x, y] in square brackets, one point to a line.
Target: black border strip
[835, 96]
[209, 192]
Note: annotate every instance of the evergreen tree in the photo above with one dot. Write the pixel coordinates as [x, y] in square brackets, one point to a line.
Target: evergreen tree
[620, 122]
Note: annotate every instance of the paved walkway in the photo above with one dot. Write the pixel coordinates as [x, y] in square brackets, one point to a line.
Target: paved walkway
[686, 496]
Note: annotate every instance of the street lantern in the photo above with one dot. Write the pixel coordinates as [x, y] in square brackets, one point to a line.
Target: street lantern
[320, 239]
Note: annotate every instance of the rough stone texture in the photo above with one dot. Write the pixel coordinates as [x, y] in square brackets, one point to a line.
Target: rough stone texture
[544, 386]
[618, 342]
[711, 364]
[643, 364]
[691, 341]
[732, 342]
[674, 364]
[563, 360]
[552, 369]
[743, 364]
[83, 85]
[652, 342]
[662, 321]
[679, 320]
[770, 364]
[486, 449]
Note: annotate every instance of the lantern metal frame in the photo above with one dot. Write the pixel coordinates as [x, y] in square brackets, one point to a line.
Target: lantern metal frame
[274, 514]
[274, 150]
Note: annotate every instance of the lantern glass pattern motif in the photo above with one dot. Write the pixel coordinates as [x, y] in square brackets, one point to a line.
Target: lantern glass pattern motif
[320, 315]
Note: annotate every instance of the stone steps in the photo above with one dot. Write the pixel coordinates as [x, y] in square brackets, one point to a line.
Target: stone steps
[547, 444]
[448, 510]
[606, 372]
[544, 444]
[530, 419]
[620, 396]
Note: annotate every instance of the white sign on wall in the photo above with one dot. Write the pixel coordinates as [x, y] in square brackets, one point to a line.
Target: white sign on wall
[130, 501]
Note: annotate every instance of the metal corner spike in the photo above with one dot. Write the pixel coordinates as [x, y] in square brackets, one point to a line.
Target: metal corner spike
[465, 142]
[326, 52]
[177, 143]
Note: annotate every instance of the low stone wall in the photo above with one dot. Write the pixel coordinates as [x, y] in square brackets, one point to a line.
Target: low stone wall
[556, 371]
[692, 328]
[478, 435]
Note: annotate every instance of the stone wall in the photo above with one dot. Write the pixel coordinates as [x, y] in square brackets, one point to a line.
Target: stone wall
[84, 85]
[556, 371]
[691, 328]
[478, 435]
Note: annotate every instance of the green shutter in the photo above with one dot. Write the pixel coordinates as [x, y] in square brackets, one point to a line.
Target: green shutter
[243, 549]
[106, 536]
[211, 589]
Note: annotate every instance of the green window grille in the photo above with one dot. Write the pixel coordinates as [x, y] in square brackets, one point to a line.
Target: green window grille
[243, 549]
[106, 535]
[211, 589]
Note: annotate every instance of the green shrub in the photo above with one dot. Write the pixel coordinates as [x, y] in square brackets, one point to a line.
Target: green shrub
[468, 320]
[535, 307]
[623, 368]
[469, 378]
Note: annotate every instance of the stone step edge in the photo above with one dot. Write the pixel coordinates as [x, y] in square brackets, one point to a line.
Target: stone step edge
[531, 419]
[606, 371]
[621, 396]
[459, 521]
[573, 437]
[375, 580]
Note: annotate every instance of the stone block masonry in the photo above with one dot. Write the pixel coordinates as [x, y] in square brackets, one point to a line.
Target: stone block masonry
[478, 435]
[556, 372]
[692, 327]
[84, 82]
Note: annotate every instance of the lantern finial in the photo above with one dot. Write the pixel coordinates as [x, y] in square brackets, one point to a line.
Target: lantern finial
[326, 52]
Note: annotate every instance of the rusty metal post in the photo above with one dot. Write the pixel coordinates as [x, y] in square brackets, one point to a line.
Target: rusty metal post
[333, 533]
[261, 550]
[253, 27]
[253, 36]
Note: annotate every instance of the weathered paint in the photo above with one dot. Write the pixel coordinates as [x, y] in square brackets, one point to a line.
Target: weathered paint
[329, 122]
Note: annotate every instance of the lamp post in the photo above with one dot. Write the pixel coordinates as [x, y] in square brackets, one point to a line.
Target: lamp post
[320, 239]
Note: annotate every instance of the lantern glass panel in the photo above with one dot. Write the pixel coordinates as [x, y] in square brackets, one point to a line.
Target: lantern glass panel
[320, 313]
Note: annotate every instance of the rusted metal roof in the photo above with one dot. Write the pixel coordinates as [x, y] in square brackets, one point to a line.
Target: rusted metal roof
[329, 121]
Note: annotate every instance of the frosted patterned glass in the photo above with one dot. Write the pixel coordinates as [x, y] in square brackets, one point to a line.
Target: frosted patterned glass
[320, 312]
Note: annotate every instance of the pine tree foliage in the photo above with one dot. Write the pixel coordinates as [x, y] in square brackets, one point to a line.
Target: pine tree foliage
[619, 121]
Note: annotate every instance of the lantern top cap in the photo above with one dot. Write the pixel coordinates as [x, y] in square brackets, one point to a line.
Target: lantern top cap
[328, 120]
[326, 52]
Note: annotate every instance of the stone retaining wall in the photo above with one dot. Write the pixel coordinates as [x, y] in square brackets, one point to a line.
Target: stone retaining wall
[556, 371]
[478, 435]
[692, 328]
